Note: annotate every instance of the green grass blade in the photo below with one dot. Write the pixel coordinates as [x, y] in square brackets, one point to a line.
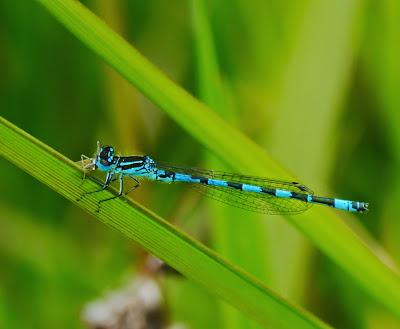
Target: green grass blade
[253, 255]
[308, 110]
[155, 234]
[321, 225]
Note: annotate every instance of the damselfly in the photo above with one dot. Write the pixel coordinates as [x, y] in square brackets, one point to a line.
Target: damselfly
[269, 196]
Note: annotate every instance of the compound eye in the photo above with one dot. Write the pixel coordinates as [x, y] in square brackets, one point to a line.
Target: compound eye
[106, 155]
[104, 152]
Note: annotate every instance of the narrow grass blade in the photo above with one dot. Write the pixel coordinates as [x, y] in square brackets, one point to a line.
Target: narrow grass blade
[321, 225]
[155, 234]
[253, 255]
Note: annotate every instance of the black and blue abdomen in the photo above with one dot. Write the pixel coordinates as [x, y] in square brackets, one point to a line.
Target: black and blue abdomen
[258, 194]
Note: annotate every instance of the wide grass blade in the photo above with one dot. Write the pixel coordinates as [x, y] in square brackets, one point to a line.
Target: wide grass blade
[321, 225]
[308, 110]
[155, 234]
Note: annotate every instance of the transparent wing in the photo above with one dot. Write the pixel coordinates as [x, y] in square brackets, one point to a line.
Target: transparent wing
[262, 203]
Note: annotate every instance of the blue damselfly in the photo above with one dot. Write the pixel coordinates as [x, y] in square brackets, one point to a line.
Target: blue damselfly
[264, 195]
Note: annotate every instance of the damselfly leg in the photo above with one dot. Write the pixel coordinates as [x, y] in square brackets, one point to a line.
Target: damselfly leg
[137, 184]
[121, 190]
[109, 179]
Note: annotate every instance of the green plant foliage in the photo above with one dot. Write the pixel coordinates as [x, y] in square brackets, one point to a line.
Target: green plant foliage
[302, 90]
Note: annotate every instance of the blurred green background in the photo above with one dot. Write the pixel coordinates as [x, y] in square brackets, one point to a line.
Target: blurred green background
[315, 83]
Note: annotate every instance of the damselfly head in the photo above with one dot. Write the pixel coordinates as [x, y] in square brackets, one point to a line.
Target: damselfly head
[104, 157]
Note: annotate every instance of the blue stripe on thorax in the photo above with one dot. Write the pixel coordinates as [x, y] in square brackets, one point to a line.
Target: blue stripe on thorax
[139, 171]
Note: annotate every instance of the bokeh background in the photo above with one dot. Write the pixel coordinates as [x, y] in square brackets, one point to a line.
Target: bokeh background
[317, 84]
